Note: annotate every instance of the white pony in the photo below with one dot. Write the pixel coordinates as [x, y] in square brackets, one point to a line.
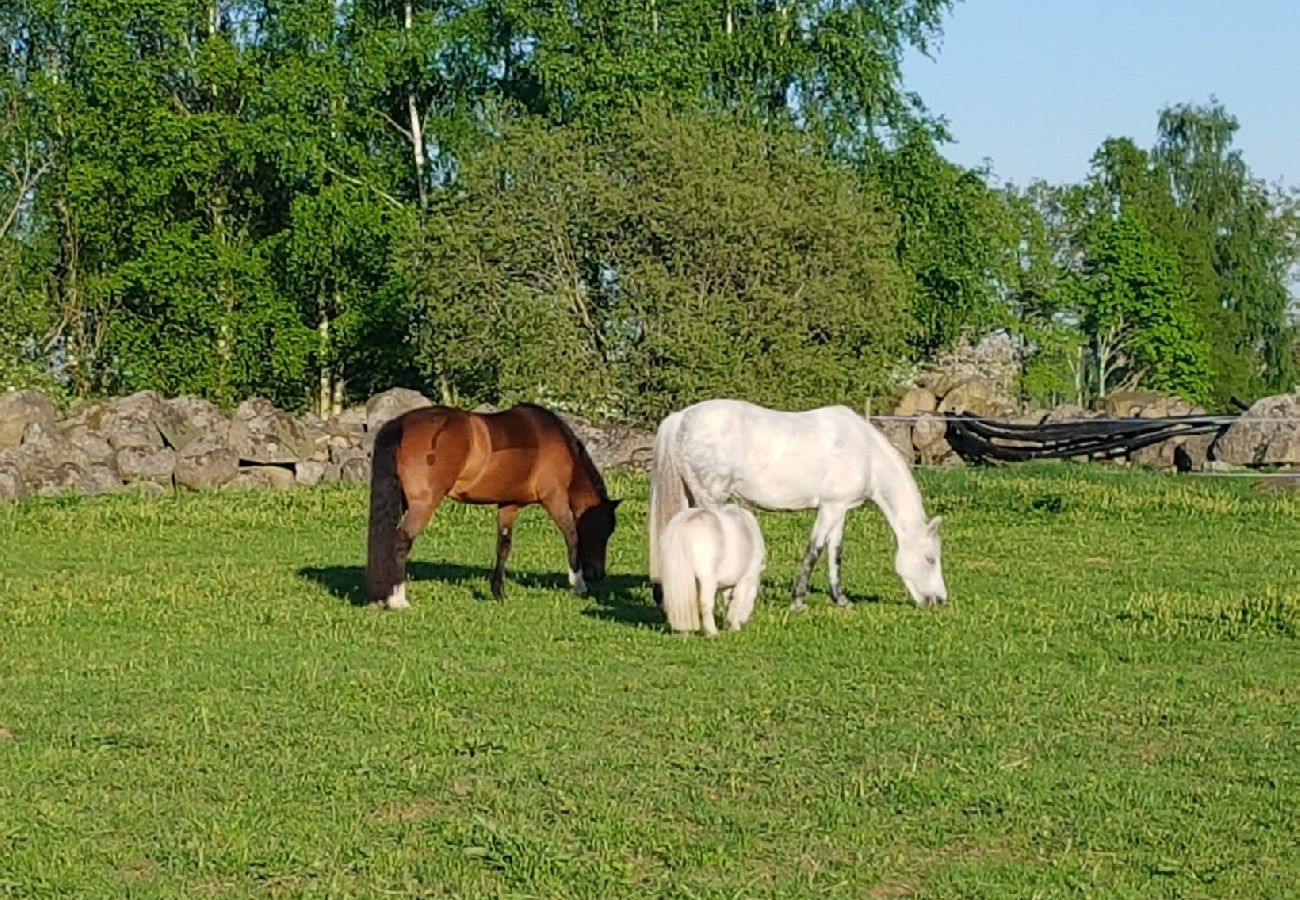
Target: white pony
[702, 550]
[830, 459]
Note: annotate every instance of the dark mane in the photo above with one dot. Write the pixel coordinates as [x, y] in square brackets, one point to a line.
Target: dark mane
[576, 447]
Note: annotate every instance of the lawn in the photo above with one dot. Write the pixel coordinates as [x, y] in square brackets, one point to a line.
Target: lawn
[192, 705]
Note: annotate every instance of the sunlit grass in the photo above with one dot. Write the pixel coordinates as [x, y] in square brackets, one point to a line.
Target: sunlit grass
[192, 705]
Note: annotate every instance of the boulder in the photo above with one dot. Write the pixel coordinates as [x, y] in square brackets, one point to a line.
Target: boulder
[930, 437]
[156, 464]
[391, 404]
[145, 489]
[89, 445]
[351, 419]
[12, 486]
[916, 401]
[98, 478]
[977, 397]
[18, 410]
[263, 435]
[353, 466]
[206, 462]
[1266, 434]
[183, 420]
[49, 479]
[131, 421]
[278, 478]
[310, 473]
[899, 435]
[613, 446]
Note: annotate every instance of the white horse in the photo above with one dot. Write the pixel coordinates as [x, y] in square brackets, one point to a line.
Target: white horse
[830, 459]
[702, 550]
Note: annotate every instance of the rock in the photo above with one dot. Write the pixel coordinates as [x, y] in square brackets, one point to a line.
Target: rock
[930, 437]
[899, 435]
[264, 435]
[47, 479]
[278, 478]
[90, 445]
[1254, 441]
[132, 421]
[18, 410]
[145, 489]
[99, 478]
[310, 473]
[1127, 404]
[353, 467]
[206, 462]
[12, 486]
[185, 419]
[613, 446]
[156, 464]
[1286, 483]
[977, 397]
[351, 419]
[1070, 412]
[391, 404]
[916, 401]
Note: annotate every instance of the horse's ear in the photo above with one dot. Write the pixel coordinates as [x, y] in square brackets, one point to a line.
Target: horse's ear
[935, 523]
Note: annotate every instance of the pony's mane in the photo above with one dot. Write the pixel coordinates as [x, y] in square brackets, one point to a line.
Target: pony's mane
[576, 447]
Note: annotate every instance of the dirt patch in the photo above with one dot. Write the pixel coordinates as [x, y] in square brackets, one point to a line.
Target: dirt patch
[888, 889]
[6, 734]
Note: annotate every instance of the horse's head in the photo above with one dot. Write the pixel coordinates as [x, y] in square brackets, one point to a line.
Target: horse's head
[918, 562]
[594, 529]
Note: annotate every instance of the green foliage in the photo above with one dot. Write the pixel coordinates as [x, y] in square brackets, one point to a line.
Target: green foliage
[954, 241]
[1136, 316]
[194, 706]
[666, 259]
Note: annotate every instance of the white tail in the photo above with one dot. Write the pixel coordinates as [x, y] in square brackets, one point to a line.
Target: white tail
[667, 490]
[681, 596]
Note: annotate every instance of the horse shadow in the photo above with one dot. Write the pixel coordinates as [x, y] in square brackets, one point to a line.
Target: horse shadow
[623, 599]
[613, 596]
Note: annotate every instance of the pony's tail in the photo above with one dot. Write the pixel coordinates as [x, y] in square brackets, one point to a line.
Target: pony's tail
[386, 508]
[667, 490]
[680, 593]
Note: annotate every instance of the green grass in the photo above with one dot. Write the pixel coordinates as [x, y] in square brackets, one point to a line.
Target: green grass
[1109, 706]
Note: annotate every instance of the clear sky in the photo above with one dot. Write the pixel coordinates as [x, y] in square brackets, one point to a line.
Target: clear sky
[1035, 86]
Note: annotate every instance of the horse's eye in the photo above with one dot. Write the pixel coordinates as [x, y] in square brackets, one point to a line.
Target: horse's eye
[931, 560]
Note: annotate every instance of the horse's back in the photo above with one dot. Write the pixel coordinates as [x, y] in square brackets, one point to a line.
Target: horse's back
[777, 459]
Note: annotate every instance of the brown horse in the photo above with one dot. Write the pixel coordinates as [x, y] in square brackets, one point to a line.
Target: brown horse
[515, 458]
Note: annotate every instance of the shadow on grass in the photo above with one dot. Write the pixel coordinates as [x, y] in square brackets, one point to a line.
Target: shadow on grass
[348, 583]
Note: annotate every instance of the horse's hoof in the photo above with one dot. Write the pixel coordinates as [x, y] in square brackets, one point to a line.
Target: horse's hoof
[798, 605]
[843, 602]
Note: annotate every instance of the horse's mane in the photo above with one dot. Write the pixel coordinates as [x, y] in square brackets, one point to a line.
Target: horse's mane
[576, 447]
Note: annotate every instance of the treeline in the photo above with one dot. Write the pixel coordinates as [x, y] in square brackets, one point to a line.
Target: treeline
[612, 207]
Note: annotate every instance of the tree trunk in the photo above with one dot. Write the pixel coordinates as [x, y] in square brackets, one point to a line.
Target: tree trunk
[325, 388]
[417, 131]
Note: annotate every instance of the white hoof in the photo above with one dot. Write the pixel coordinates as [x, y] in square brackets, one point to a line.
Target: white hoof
[397, 599]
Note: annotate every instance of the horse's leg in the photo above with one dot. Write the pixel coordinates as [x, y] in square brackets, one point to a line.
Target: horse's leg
[424, 489]
[741, 606]
[420, 509]
[835, 556]
[826, 518]
[505, 530]
[708, 586]
[557, 505]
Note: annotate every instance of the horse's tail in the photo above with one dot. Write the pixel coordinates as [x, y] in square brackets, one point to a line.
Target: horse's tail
[680, 593]
[386, 508]
[667, 490]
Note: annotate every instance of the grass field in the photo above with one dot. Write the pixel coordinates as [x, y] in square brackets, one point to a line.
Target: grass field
[191, 705]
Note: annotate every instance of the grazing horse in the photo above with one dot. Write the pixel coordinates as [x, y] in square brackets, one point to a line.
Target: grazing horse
[830, 459]
[702, 550]
[514, 458]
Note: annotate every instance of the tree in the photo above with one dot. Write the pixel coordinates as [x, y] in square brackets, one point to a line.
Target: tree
[663, 259]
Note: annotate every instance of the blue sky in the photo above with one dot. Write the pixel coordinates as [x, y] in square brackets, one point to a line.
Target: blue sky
[1036, 85]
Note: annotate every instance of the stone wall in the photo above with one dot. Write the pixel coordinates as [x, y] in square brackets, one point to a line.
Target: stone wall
[151, 444]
